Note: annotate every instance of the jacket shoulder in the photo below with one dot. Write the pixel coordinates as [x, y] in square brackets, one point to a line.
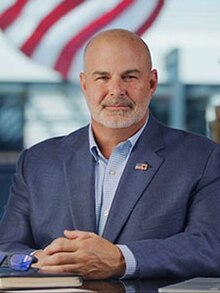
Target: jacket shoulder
[56, 146]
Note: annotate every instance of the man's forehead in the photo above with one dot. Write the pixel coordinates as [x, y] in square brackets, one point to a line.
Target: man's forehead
[114, 41]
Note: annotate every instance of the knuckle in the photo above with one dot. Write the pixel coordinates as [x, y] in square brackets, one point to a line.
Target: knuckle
[59, 244]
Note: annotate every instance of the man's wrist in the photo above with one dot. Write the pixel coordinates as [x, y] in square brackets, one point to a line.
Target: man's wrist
[121, 265]
[130, 261]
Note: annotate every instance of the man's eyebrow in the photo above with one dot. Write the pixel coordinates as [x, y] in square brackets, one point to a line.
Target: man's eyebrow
[129, 71]
[99, 73]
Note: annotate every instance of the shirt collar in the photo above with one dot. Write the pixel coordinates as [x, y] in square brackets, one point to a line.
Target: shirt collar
[94, 149]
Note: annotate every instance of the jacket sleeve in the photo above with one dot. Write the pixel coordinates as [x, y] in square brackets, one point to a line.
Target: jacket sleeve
[15, 227]
[195, 251]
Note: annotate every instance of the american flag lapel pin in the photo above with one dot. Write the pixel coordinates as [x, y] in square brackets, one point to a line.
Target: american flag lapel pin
[141, 166]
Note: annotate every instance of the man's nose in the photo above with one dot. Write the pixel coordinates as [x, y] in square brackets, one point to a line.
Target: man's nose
[116, 87]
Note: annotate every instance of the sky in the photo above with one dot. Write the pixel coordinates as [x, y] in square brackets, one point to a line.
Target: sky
[192, 26]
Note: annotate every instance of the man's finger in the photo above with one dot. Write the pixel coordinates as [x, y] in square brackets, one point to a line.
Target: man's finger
[73, 234]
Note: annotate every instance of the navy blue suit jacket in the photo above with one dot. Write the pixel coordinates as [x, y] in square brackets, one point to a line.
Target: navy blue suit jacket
[168, 215]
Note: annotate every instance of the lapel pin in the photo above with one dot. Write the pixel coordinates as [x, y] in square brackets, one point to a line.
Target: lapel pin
[141, 166]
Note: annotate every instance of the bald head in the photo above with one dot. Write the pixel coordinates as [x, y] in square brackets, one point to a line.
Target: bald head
[117, 37]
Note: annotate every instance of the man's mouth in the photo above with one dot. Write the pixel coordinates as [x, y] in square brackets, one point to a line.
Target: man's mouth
[117, 105]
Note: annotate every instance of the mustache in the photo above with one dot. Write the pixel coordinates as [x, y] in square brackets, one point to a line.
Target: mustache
[122, 101]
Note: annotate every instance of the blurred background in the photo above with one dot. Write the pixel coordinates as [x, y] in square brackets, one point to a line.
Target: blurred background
[41, 56]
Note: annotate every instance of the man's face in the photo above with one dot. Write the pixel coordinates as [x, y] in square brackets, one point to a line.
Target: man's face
[118, 83]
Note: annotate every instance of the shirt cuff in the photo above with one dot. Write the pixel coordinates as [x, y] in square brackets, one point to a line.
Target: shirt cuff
[130, 261]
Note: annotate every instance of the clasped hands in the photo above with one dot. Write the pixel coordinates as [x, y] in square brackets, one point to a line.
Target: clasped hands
[83, 253]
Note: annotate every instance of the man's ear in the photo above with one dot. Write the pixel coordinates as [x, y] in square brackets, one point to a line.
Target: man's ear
[153, 81]
[82, 82]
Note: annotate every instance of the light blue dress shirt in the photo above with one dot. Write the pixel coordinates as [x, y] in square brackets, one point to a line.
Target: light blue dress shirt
[107, 176]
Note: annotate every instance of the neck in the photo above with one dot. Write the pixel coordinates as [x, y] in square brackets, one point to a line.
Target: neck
[108, 138]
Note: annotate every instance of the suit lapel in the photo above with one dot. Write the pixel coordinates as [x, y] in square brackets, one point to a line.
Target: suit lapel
[133, 182]
[79, 174]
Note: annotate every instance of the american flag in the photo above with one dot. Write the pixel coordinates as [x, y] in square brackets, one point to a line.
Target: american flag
[54, 32]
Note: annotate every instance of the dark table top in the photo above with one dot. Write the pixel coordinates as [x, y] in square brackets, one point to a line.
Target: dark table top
[131, 286]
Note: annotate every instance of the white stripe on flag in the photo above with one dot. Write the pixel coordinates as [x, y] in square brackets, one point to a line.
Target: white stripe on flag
[33, 12]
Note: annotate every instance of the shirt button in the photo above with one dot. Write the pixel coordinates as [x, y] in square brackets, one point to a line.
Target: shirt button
[106, 213]
[112, 172]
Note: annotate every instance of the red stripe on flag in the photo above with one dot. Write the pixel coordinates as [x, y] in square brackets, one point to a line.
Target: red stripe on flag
[151, 18]
[10, 15]
[66, 56]
[33, 41]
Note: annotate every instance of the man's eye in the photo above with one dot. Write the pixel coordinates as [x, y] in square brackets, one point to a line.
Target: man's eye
[129, 77]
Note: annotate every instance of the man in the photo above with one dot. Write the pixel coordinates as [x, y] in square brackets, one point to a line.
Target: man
[126, 196]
